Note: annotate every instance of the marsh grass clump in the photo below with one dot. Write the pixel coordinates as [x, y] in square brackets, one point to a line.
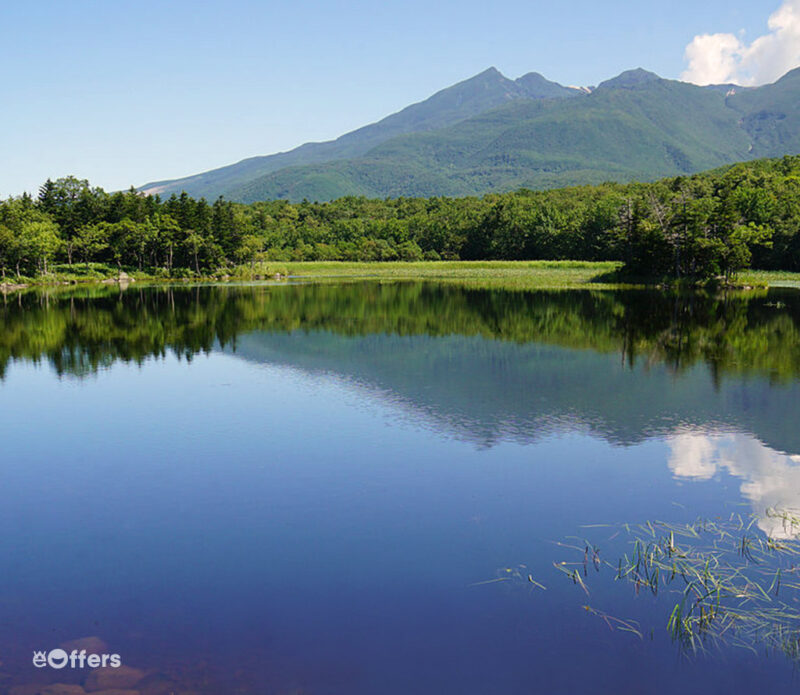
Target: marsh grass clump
[731, 583]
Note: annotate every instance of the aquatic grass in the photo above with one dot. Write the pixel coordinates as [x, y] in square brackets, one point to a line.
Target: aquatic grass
[574, 574]
[617, 623]
[735, 585]
[518, 574]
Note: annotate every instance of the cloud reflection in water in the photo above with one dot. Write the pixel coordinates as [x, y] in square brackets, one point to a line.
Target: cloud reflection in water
[770, 479]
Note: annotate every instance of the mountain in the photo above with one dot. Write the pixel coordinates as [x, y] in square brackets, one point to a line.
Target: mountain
[771, 116]
[630, 79]
[490, 133]
[457, 103]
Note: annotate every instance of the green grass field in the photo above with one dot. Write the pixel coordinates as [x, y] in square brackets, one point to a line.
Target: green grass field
[512, 274]
[505, 274]
[769, 278]
[550, 274]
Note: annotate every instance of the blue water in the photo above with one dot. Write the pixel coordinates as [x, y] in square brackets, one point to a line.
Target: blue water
[291, 515]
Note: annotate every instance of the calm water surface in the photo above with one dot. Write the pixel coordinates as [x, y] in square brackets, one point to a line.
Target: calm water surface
[306, 489]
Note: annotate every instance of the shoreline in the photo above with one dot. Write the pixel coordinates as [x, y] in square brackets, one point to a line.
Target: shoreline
[591, 275]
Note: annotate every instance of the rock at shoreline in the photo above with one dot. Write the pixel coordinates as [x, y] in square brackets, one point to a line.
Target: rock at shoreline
[43, 689]
[110, 678]
[11, 287]
[157, 684]
[123, 280]
[62, 689]
[27, 689]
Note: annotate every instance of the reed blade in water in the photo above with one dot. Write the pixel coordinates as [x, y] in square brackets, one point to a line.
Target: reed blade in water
[733, 580]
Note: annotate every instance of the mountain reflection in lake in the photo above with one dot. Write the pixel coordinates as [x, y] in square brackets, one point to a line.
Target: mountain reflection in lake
[302, 488]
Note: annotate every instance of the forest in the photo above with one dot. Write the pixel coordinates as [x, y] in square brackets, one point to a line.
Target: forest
[701, 226]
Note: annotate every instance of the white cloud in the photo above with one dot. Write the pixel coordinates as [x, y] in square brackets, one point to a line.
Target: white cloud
[724, 58]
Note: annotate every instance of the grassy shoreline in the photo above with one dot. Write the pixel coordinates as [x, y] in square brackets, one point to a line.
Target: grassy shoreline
[507, 274]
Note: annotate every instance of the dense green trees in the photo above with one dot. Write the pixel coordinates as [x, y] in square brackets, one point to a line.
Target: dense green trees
[29, 237]
[706, 225]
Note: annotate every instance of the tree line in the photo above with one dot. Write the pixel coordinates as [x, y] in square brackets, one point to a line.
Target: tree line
[699, 226]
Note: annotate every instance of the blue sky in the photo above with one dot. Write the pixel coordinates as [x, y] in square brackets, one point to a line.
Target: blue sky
[125, 93]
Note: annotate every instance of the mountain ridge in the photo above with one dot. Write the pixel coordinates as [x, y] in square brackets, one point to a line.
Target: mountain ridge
[491, 133]
[447, 106]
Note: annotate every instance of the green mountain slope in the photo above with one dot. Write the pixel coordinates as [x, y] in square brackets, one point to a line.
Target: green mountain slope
[493, 134]
[622, 131]
[771, 116]
[463, 100]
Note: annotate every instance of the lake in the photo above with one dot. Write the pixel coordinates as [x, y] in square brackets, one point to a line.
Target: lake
[371, 487]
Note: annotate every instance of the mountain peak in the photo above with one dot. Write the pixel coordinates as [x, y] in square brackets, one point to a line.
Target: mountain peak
[534, 85]
[532, 76]
[630, 79]
[491, 72]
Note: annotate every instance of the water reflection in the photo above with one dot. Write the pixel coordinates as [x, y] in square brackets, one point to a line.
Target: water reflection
[486, 365]
[483, 365]
[78, 331]
[264, 512]
[771, 480]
